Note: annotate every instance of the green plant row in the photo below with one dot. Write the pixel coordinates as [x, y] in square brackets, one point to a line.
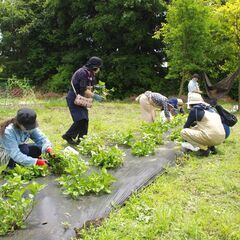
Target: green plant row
[17, 198]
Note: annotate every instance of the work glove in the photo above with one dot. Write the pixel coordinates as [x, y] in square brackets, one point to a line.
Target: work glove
[41, 162]
[50, 151]
[97, 97]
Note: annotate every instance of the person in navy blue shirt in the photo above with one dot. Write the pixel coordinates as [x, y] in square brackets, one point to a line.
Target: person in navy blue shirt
[83, 81]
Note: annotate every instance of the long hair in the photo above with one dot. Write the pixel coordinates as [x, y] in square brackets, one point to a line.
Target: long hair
[4, 124]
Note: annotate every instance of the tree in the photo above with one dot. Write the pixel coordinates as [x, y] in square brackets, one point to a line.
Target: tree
[186, 35]
[29, 48]
[228, 37]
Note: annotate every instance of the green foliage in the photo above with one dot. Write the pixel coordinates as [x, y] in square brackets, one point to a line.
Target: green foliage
[48, 40]
[186, 37]
[90, 144]
[155, 130]
[76, 178]
[176, 136]
[101, 89]
[78, 183]
[16, 202]
[60, 81]
[20, 88]
[28, 173]
[117, 137]
[145, 146]
[108, 157]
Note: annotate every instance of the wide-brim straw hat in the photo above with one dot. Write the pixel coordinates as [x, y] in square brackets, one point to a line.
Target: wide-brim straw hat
[195, 98]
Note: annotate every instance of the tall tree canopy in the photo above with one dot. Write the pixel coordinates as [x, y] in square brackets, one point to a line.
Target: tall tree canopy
[48, 40]
[186, 35]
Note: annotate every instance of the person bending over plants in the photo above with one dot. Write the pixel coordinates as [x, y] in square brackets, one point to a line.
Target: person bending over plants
[203, 128]
[14, 134]
[150, 101]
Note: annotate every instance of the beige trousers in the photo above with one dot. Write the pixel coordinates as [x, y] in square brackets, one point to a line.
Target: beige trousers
[195, 137]
[147, 110]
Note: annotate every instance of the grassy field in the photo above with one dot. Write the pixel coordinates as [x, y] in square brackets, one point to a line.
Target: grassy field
[197, 199]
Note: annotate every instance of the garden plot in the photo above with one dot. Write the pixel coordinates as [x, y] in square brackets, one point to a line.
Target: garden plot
[55, 216]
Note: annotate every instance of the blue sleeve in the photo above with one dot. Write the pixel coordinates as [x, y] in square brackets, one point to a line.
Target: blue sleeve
[40, 139]
[10, 145]
[195, 115]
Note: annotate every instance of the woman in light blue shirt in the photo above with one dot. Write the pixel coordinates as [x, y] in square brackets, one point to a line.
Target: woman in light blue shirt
[14, 134]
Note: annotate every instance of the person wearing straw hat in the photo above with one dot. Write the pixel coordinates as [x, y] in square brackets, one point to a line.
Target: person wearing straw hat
[14, 135]
[150, 101]
[203, 128]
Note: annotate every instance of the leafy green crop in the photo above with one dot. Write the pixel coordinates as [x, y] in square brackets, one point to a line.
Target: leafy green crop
[108, 157]
[120, 138]
[145, 146]
[80, 183]
[16, 202]
[28, 173]
[176, 136]
[90, 144]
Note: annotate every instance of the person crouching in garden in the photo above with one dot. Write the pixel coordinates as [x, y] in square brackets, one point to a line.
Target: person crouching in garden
[203, 128]
[150, 101]
[83, 81]
[14, 134]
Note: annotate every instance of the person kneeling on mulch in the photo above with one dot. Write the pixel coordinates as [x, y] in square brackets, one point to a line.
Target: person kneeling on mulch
[203, 128]
[14, 135]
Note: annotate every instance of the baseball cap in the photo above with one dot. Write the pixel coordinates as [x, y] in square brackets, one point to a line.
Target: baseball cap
[27, 117]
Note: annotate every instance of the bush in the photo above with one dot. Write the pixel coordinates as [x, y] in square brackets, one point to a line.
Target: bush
[60, 82]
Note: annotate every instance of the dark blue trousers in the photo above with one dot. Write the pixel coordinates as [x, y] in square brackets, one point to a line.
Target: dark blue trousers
[31, 150]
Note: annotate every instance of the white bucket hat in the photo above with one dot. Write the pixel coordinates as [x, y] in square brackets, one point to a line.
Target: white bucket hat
[195, 98]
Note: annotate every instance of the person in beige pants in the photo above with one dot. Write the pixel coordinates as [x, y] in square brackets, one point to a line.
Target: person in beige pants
[150, 101]
[204, 128]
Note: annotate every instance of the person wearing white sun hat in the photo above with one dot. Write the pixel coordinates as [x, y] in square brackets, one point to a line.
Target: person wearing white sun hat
[203, 128]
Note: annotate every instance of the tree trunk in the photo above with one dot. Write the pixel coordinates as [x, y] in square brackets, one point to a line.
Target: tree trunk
[183, 80]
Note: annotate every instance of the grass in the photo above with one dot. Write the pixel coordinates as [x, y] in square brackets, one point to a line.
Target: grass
[197, 199]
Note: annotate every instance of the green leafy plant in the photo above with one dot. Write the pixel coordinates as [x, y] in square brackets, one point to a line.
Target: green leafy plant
[78, 182]
[90, 144]
[118, 137]
[28, 173]
[20, 88]
[16, 203]
[176, 135]
[144, 147]
[108, 157]
[155, 130]
[101, 89]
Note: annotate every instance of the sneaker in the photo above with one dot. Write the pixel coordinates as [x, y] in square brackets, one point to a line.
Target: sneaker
[69, 140]
[203, 153]
[189, 147]
[213, 150]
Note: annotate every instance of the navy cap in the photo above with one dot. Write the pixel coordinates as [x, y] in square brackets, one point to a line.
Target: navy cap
[27, 117]
[173, 102]
[94, 62]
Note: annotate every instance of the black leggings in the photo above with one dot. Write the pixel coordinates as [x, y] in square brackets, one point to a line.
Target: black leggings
[31, 150]
[78, 129]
